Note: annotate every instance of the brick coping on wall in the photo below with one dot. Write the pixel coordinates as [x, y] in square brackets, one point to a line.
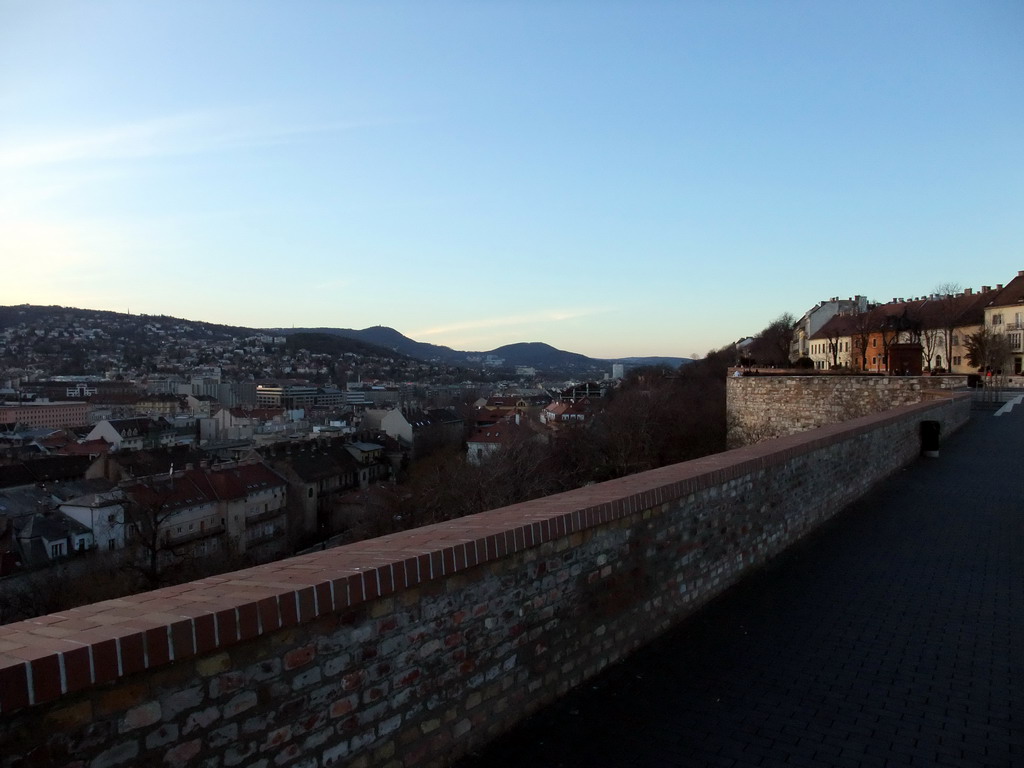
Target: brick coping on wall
[48, 656]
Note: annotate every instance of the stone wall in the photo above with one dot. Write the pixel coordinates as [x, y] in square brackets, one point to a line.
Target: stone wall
[414, 648]
[767, 406]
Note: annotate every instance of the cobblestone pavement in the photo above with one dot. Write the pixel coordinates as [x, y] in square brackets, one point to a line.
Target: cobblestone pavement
[894, 636]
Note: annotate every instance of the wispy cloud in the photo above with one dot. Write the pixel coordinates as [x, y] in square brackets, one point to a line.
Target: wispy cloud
[181, 134]
[508, 321]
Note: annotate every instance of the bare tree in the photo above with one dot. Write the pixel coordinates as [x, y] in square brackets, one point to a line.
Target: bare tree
[863, 326]
[833, 343]
[948, 297]
[932, 342]
[157, 556]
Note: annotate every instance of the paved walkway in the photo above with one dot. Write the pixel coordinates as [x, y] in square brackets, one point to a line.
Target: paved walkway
[892, 637]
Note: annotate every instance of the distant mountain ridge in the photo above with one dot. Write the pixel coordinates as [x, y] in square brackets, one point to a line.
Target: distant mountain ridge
[533, 354]
[141, 333]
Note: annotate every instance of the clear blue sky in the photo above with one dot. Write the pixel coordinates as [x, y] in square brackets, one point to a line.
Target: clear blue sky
[612, 178]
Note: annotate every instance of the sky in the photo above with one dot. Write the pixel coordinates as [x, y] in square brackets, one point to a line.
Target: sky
[611, 178]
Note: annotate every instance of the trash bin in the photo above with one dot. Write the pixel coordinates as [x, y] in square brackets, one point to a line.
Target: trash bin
[930, 439]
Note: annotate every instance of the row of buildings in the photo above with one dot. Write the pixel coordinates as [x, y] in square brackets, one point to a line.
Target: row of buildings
[133, 489]
[922, 334]
[156, 507]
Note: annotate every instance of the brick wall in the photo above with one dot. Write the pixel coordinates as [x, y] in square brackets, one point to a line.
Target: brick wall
[764, 407]
[412, 649]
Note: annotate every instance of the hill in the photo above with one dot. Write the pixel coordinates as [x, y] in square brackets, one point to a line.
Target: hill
[69, 336]
[535, 354]
[388, 338]
[331, 344]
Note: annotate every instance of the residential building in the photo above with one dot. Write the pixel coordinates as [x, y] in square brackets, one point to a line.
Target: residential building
[103, 514]
[288, 396]
[56, 415]
[484, 442]
[134, 434]
[160, 404]
[45, 537]
[1004, 314]
[816, 317]
[206, 510]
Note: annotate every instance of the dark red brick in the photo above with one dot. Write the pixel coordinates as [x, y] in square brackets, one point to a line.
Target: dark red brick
[77, 669]
[13, 686]
[299, 657]
[387, 581]
[471, 554]
[206, 637]
[423, 566]
[183, 639]
[354, 585]
[46, 678]
[104, 661]
[248, 621]
[436, 565]
[459, 554]
[306, 610]
[270, 614]
[133, 656]
[157, 650]
[325, 603]
[370, 586]
[514, 540]
[288, 605]
[227, 626]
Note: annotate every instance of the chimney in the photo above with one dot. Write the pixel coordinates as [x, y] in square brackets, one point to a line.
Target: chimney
[968, 291]
[1020, 273]
[986, 288]
[999, 286]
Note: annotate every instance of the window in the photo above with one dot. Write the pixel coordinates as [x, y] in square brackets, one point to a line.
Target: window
[956, 360]
[956, 340]
[57, 550]
[874, 342]
[111, 545]
[997, 319]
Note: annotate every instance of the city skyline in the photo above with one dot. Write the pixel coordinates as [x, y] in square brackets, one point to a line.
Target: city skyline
[612, 179]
